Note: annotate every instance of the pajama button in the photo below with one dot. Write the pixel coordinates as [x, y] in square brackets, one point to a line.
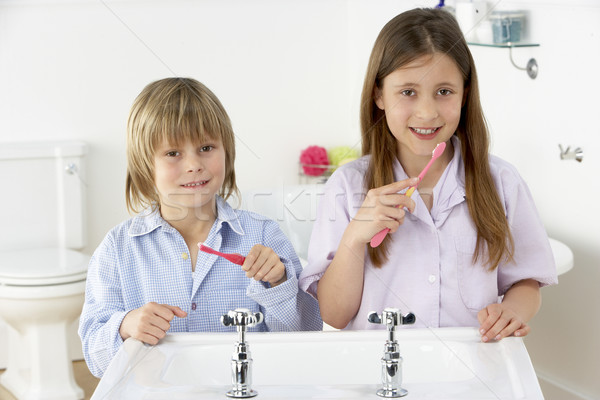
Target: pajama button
[431, 278]
[193, 306]
[184, 256]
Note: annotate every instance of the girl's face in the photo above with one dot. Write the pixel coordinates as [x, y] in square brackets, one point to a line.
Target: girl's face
[188, 176]
[422, 102]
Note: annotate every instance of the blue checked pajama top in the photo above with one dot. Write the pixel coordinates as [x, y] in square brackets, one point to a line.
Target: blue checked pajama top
[144, 259]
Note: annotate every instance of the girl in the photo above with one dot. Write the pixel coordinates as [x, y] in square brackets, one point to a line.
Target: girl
[471, 250]
[147, 276]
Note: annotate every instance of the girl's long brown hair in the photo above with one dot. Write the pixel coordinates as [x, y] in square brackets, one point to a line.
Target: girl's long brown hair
[406, 37]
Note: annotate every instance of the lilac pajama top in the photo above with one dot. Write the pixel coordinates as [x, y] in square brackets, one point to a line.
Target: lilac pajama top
[429, 270]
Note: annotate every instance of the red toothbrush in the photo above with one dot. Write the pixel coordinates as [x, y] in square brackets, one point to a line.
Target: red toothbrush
[234, 258]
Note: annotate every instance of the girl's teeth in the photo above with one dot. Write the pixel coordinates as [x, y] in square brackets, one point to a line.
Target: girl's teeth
[424, 131]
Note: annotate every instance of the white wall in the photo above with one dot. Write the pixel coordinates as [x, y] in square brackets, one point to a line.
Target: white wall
[71, 69]
[529, 119]
[290, 74]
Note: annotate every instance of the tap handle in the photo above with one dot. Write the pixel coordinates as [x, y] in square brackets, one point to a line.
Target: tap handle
[374, 318]
[408, 319]
[227, 320]
[258, 318]
[392, 317]
[242, 318]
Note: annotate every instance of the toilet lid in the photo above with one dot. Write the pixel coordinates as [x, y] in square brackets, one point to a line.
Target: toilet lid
[47, 266]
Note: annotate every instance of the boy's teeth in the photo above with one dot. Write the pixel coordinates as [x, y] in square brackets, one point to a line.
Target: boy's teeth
[424, 131]
[194, 184]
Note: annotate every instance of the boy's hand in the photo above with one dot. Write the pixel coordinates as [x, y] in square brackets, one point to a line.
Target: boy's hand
[497, 321]
[263, 264]
[150, 322]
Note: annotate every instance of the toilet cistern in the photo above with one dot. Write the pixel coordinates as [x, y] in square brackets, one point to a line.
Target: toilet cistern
[241, 360]
[42, 272]
[391, 362]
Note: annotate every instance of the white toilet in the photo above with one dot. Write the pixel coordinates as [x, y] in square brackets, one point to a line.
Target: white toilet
[42, 276]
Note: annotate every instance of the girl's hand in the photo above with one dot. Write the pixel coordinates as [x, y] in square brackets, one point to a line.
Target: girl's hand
[383, 208]
[263, 264]
[150, 322]
[497, 321]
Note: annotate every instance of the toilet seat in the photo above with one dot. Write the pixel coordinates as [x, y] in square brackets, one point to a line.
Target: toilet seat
[41, 267]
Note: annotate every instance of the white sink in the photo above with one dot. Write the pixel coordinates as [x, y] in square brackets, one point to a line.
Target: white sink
[446, 363]
[563, 256]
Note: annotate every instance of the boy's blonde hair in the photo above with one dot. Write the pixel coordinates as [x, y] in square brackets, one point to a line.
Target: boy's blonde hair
[405, 38]
[175, 110]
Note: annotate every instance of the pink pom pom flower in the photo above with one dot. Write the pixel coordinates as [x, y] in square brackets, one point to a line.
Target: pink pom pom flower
[311, 156]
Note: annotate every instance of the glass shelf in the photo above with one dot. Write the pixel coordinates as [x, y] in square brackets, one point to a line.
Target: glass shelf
[504, 45]
[312, 173]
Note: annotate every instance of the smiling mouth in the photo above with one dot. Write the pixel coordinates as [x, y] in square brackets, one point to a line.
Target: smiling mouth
[194, 184]
[425, 131]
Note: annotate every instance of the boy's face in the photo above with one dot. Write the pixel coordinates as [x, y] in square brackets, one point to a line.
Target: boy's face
[188, 176]
[422, 102]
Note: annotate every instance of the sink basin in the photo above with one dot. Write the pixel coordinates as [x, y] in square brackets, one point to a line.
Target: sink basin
[563, 256]
[444, 363]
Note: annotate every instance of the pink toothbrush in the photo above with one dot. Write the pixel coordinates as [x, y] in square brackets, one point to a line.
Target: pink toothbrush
[439, 149]
[234, 258]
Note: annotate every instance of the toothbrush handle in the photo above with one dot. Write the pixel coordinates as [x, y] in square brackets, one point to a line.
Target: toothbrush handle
[378, 238]
[234, 258]
[439, 149]
[410, 191]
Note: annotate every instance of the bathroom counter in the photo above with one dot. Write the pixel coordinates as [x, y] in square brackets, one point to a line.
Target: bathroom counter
[445, 363]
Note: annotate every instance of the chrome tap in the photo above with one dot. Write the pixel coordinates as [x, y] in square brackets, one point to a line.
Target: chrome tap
[391, 362]
[241, 360]
[568, 154]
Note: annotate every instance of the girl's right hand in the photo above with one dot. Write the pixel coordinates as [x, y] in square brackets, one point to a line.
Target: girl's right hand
[150, 322]
[382, 208]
